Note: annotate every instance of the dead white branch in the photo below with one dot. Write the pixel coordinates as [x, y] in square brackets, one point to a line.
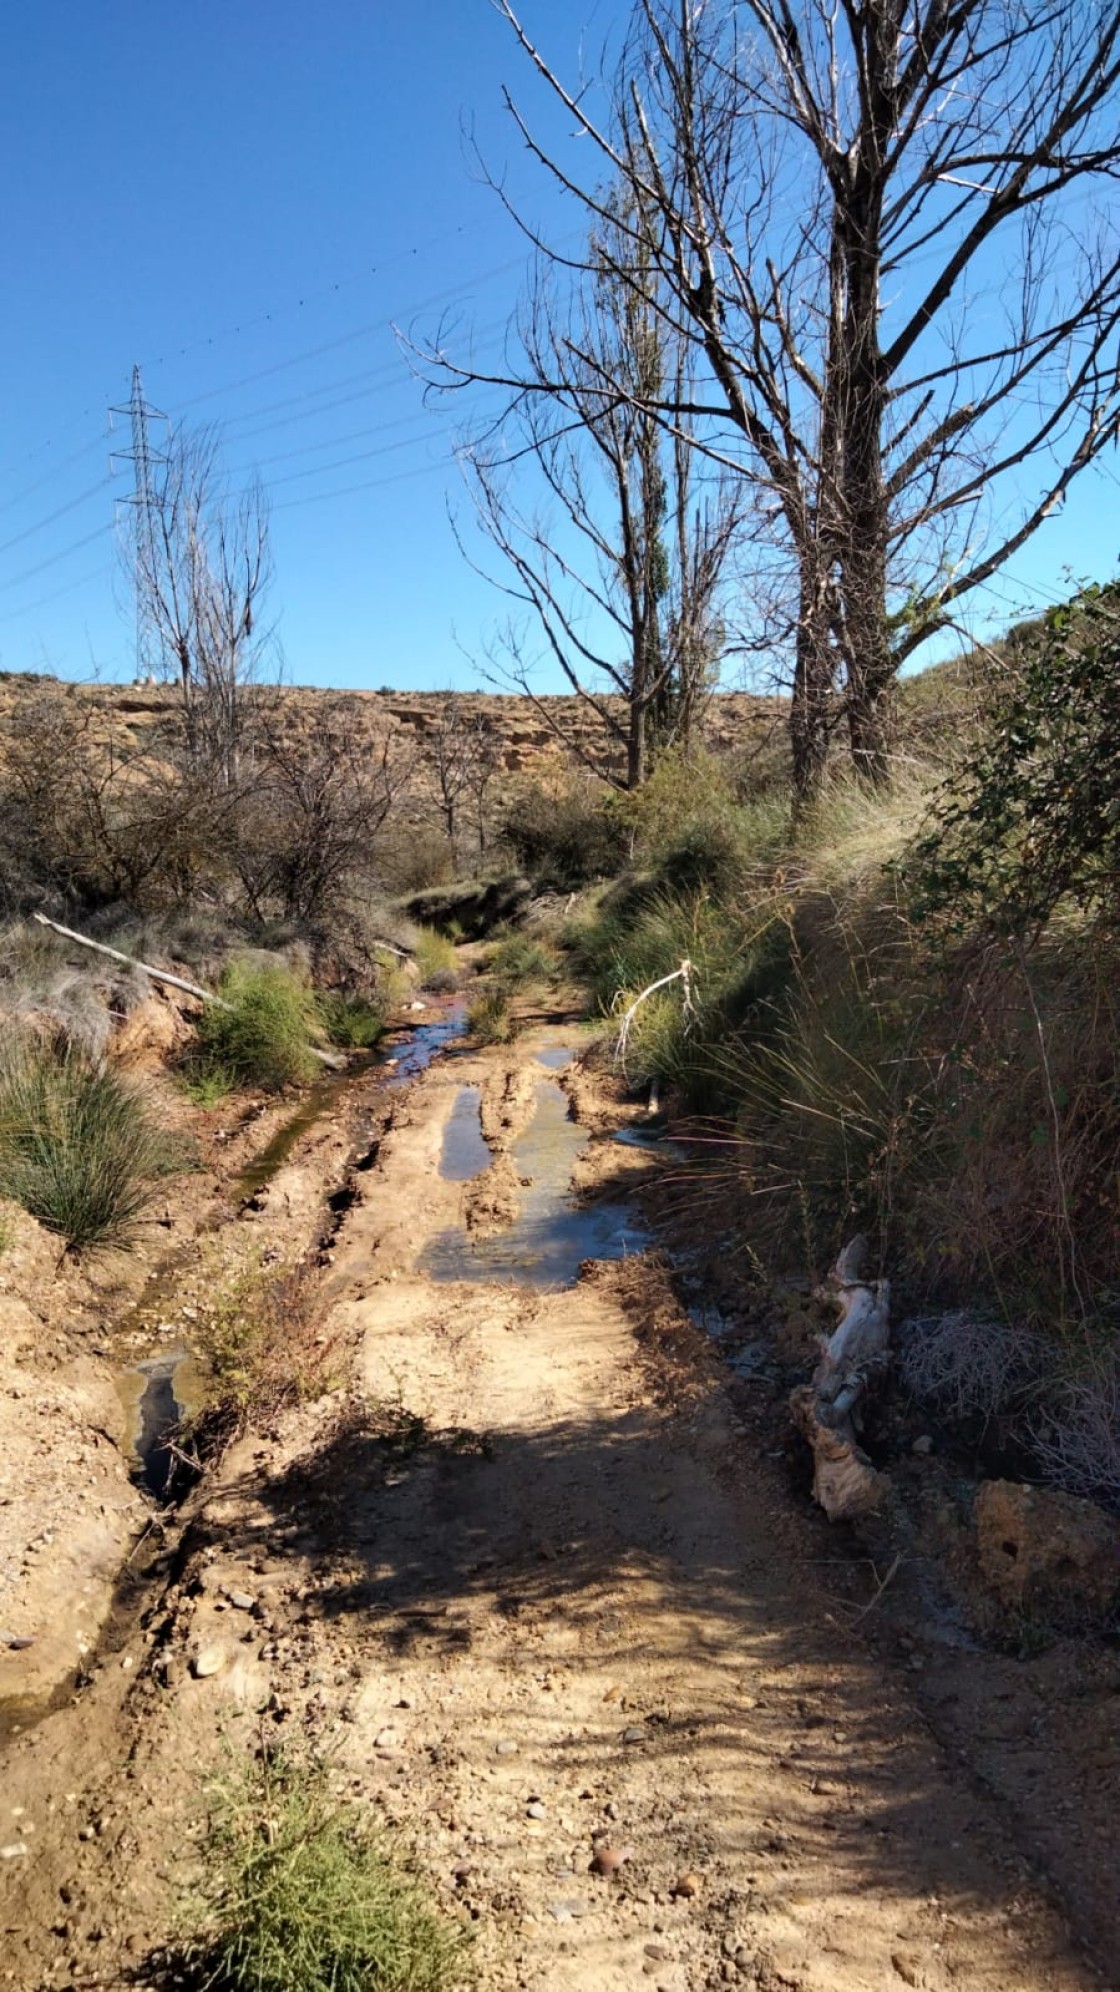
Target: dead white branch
[683, 975]
[828, 1410]
[130, 961]
[333, 1060]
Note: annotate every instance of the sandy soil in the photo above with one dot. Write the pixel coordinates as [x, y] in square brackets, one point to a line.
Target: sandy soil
[532, 1582]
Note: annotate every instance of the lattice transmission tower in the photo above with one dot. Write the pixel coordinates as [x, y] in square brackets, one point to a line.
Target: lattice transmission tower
[144, 459]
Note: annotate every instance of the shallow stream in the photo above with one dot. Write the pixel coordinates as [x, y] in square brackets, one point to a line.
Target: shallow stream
[552, 1233]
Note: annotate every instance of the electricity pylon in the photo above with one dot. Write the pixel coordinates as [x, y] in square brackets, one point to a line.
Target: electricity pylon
[143, 458]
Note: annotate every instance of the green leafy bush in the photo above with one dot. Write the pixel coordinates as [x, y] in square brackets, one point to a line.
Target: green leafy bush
[301, 1896]
[1034, 814]
[78, 1148]
[261, 1034]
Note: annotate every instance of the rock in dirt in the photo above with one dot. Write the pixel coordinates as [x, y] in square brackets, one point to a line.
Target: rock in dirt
[608, 1860]
[1046, 1551]
[208, 1660]
[687, 1885]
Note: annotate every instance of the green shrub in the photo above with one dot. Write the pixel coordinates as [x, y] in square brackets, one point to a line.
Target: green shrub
[261, 1035]
[516, 960]
[78, 1148]
[300, 1895]
[434, 954]
[1033, 817]
[207, 1086]
[488, 1018]
[353, 1022]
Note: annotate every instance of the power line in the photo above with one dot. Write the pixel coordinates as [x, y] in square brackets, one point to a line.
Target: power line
[373, 484]
[361, 332]
[72, 506]
[313, 297]
[29, 573]
[44, 601]
[29, 490]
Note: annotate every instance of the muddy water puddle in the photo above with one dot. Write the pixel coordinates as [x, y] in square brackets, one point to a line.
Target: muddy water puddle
[552, 1233]
[166, 1385]
[464, 1154]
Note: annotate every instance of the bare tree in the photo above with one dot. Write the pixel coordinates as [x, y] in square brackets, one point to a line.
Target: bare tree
[464, 755]
[322, 791]
[620, 557]
[882, 226]
[92, 814]
[200, 573]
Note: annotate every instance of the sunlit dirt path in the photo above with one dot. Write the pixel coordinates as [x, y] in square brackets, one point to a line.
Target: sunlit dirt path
[530, 1590]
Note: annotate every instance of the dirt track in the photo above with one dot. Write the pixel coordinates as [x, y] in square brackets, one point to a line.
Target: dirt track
[527, 1583]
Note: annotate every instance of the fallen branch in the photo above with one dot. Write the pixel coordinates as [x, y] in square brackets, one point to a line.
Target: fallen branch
[827, 1410]
[130, 961]
[333, 1060]
[683, 975]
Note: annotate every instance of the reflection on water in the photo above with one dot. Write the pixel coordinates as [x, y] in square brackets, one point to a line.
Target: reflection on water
[552, 1234]
[465, 1154]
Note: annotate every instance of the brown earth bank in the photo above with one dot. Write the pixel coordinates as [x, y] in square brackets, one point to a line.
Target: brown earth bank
[533, 1575]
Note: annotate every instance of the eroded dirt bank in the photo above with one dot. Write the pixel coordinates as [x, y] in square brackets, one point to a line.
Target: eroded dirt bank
[527, 1581]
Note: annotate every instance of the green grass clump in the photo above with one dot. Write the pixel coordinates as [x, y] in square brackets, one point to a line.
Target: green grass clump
[488, 1018]
[261, 1036]
[302, 1896]
[516, 961]
[353, 1022]
[78, 1148]
[434, 953]
[207, 1085]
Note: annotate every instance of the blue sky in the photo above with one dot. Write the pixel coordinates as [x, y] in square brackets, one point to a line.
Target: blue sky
[242, 198]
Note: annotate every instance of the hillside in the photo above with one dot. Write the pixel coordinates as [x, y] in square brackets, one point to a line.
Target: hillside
[534, 737]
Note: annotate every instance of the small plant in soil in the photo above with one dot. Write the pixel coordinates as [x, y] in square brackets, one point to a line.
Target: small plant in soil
[301, 1895]
[78, 1147]
[517, 961]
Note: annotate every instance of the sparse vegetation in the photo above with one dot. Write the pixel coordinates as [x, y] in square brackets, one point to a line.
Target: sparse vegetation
[255, 1336]
[302, 1895]
[567, 834]
[79, 1149]
[517, 961]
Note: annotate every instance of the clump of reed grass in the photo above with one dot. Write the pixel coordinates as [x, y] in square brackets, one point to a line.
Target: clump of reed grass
[434, 954]
[79, 1149]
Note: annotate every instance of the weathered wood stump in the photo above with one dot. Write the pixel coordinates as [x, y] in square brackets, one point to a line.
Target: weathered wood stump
[827, 1410]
